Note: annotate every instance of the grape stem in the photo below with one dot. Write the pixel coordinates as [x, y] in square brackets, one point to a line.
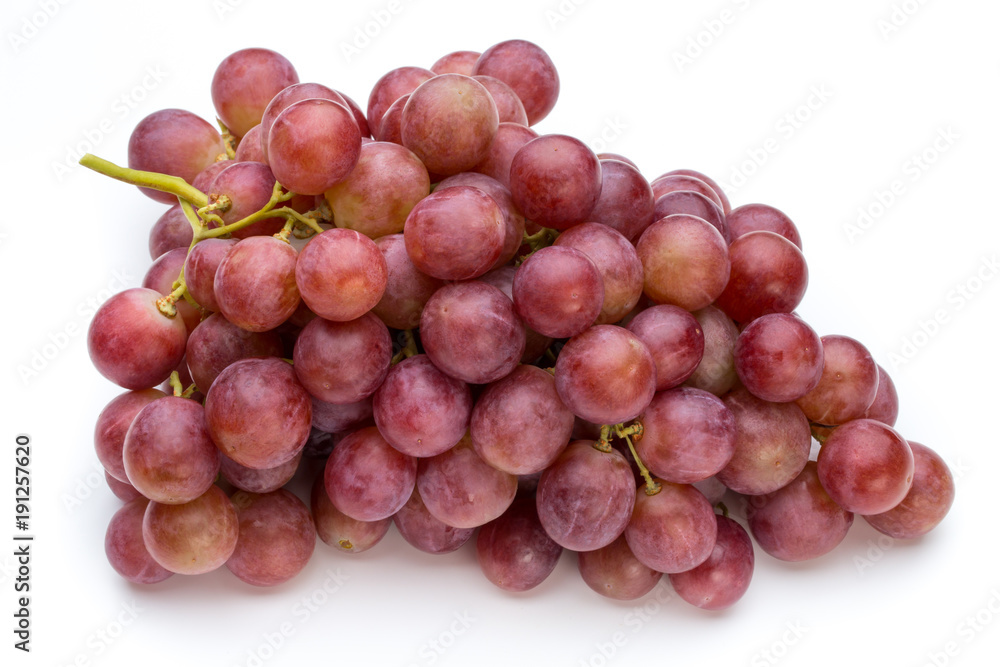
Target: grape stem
[409, 347]
[175, 185]
[627, 433]
[175, 384]
[228, 139]
[543, 238]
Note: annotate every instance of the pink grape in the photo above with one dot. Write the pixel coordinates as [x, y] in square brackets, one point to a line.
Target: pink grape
[768, 275]
[456, 62]
[200, 266]
[716, 373]
[514, 222]
[171, 230]
[258, 480]
[585, 497]
[555, 181]
[558, 291]
[341, 274]
[779, 358]
[926, 503]
[343, 362]
[244, 83]
[449, 122]
[509, 106]
[724, 577]
[615, 572]
[519, 424]
[605, 375]
[420, 410]
[340, 531]
[390, 87]
[672, 531]
[257, 412]
[865, 466]
[761, 217]
[674, 182]
[708, 180]
[286, 98]
[407, 289]
[216, 343]
[514, 551]
[471, 332]
[122, 490]
[276, 537]
[255, 283]
[125, 548]
[509, 139]
[461, 489]
[366, 478]
[112, 425]
[336, 418]
[674, 338]
[528, 70]
[132, 343]
[425, 532]
[847, 386]
[249, 186]
[173, 142]
[626, 203]
[192, 538]
[312, 145]
[692, 203]
[162, 275]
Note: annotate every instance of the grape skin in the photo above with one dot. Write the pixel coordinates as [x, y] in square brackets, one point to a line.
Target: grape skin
[673, 530]
[926, 503]
[192, 538]
[340, 531]
[514, 551]
[276, 537]
[125, 549]
[366, 478]
[112, 425]
[615, 572]
[724, 577]
[255, 283]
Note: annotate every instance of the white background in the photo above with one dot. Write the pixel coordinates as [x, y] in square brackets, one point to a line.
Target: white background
[68, 236]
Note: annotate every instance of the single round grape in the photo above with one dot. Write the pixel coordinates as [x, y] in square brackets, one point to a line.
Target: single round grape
[528, 70]
[366, 478]
[471, 332]
[456, 62]
[692, 203]
[461, 489]
[761, 217]
[390, 87]
[555, 181]
[171, 230]
[772, 444]
[724, 577]
[249, 186]
[768, 275]
[605, 375]
[626, 203]
[674, 338]
[132, 343]
[885, 407]
[359, 115]
[514, 551]
[173, 142]
[407, 289]
[420, 410]
[673, 530]
[203, 181]
[249, 148]
[125, 548]
[341, 274]
[519, 424]
[558, 291]
[216, 343]
[168, 454]
[193, 538]
[424, 531]
[716, 373]
[336, 418]
[122, 490]
[390, 129]
[343, 362]
[585, 497]
[723, 199]
[685, 262]
[276, 537]
[616, 261]
[865, 466]
[257, 412]
[258, 480]
[779, 358]
[255, 283]
[509, 139]
[286, 98]
[847, 386]
[456, 233]
[200, 265]
[799, 521]
[312, 145]
[926, 503]
[514, 222]
[615, 572]
[688, 435]
[340, 531]
[449, 122]
[244, 83]
[381, 190]
[112, 425]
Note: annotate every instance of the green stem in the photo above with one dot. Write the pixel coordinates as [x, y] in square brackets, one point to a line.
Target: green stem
[409, 347]
[166, 304]
[175, 384]
[174, 185]
[626, 433]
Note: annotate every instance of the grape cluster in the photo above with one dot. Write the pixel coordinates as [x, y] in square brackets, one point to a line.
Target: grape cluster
[448, 322]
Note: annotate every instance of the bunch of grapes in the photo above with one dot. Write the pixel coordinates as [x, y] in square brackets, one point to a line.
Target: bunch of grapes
[448, 322]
